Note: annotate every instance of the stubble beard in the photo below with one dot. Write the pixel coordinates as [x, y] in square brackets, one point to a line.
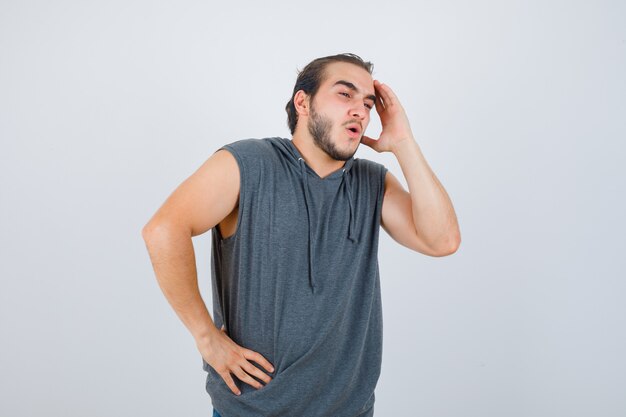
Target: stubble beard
[320, 128]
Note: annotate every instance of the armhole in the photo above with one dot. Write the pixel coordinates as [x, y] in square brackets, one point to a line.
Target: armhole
[382, 194]
[241, 196]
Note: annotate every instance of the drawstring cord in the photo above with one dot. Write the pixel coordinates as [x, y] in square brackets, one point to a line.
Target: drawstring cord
[351, 224]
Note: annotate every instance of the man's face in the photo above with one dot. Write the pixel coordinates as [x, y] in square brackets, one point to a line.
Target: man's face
[344, 99]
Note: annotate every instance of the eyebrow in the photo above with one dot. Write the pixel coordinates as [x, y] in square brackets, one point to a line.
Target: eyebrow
[353, 88]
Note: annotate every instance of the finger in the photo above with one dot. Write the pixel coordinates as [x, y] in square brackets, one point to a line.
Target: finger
[380, 105]
[254, 371]
[258, 358]
[387, 95]
[245, 377]
[230, 383]
[366, 140]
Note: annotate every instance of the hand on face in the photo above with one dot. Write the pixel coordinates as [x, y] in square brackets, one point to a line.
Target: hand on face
[395, 124]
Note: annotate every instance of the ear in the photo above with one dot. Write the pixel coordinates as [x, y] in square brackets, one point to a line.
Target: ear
[301, 102]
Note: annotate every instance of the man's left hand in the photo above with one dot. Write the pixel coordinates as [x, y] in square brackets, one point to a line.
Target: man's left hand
[395, 123]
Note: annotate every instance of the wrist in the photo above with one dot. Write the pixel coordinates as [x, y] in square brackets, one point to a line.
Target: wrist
[403, 145]
[206, 335]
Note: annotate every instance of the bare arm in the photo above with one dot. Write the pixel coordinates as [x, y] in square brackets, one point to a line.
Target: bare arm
[422, 219]
[173, 259]
[197, 205]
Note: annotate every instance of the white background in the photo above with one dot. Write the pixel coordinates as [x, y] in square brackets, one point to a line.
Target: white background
[518, 106]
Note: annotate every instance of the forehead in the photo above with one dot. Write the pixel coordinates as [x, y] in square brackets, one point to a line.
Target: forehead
[349, 72]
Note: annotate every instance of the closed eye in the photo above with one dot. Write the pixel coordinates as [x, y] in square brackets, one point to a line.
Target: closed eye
[366, 105]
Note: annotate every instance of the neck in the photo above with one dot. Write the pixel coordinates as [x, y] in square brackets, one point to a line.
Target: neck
[315, 157]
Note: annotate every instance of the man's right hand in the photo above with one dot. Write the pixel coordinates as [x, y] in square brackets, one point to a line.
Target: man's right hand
[226, 357]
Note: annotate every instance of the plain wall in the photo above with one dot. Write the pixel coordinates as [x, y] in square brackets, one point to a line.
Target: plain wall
[519, 108]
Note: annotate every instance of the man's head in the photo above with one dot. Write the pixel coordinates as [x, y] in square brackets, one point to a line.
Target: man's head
[331, 95]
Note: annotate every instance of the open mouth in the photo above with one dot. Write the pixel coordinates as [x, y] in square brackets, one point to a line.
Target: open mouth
[353, 132]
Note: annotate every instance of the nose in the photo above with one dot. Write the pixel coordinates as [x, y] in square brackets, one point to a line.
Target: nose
[359, 112]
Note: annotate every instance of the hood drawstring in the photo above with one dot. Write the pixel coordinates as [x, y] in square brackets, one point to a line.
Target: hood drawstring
[351, 226]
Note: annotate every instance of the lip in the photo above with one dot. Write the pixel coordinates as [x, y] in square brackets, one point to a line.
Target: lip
[354, 126]
[352, 134]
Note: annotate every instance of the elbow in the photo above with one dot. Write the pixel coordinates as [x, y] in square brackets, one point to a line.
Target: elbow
[152, 231]
[147, 231]
[163, 230]
[451, 247]
[455, 243]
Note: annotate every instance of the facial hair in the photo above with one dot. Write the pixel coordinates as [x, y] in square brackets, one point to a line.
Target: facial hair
[320, 127]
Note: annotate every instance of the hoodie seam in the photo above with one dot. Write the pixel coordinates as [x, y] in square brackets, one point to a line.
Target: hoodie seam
[240, 203]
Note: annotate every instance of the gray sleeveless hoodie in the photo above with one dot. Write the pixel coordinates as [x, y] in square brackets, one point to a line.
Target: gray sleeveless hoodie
[298, 282]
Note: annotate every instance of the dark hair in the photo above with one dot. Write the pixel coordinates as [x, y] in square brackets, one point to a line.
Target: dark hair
[312, 76]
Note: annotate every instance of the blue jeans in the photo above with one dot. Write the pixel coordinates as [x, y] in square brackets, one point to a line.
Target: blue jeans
[216, 414]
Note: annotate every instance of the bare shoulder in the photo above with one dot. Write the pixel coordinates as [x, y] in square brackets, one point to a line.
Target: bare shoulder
[392, 185]
[205, 198]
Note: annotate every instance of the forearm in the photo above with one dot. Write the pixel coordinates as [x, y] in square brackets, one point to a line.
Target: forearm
[173, 259]
[433, 214]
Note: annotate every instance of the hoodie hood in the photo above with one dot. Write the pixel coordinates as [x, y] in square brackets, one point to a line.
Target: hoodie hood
[293, 156]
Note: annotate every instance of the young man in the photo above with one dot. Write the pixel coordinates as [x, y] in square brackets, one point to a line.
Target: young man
[296, 290]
